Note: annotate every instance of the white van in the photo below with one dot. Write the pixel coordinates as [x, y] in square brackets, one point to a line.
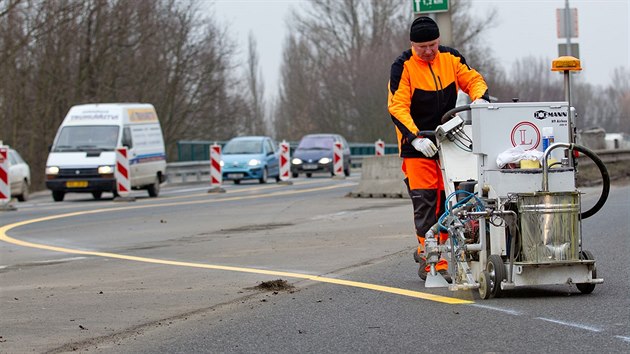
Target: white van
[83, 156]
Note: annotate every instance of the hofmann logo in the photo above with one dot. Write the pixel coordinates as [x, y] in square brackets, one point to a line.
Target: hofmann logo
[544, 114]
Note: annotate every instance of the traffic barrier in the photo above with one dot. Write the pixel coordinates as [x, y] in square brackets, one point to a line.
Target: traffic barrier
[338, 160]
[381, 177]
[216, 175]
[285, 160]
[379, 147]
[123, 175]
[5, 188]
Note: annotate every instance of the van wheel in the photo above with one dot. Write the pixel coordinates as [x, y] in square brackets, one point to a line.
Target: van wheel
[23, 196]
[58, 195]
[97, 195]
[154, 189]
[308, 175]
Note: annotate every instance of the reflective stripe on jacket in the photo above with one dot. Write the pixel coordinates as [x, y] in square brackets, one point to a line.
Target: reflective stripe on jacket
[420, 92]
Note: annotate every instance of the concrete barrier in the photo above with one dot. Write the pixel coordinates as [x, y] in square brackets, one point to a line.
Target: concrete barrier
[617, 163]
[381, 177]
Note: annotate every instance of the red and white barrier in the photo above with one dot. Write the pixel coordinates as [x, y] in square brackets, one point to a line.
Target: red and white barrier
[337, 159]
[216, 175]
[5, 188]
[285, 159]
[123, 175]
[379, 147]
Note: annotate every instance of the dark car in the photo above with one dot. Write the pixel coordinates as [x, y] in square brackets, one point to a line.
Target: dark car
[315, 154]
[250, 157]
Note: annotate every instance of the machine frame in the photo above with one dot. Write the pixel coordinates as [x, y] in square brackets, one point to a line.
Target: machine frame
[511, 227]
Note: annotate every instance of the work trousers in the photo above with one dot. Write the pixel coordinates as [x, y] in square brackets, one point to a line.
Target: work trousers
[423, 178]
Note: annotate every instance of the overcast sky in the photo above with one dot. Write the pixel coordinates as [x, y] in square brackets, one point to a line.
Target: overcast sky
[525, 27]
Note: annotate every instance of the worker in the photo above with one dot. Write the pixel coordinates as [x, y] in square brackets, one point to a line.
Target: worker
[423, 86]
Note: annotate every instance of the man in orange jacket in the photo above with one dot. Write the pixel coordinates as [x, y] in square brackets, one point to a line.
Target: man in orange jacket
[423, 85]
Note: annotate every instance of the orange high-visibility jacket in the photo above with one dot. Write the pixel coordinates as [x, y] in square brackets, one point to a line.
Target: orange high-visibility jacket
[420, 92]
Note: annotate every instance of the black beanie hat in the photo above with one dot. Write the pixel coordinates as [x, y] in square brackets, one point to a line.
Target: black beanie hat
[423, 29]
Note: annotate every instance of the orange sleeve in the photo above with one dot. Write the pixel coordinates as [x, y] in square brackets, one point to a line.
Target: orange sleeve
[399, 104]
[471, 82]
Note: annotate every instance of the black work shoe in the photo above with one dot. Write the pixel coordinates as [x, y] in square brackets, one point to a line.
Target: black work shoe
[422, 273]
[446, 275]
[422, 265]
[416, 256]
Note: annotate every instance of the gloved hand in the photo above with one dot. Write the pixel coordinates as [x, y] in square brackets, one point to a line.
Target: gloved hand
[425, 146]
[479, 100]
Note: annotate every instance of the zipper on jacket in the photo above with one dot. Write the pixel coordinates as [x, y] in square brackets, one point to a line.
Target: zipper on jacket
[437, 89]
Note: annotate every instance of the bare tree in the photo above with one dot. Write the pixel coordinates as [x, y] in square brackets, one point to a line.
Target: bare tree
[254, 122]
[56, 54]
[340, 53]
[335, 67]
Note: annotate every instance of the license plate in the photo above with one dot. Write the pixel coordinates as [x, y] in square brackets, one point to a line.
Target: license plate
[234, 175]
[76, 184]
[309, 167]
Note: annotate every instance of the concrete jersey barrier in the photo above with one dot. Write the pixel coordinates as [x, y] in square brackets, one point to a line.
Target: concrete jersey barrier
[381, 177]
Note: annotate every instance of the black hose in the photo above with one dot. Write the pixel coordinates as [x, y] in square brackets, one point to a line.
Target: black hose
[605, 179]
[451, 113]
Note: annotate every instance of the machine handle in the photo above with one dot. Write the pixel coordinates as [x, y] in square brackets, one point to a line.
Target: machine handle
[451, 113]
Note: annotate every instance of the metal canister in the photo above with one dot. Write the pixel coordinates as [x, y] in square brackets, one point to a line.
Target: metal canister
[550, 226]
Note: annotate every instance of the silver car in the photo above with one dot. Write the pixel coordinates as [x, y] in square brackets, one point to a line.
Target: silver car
[19, 176]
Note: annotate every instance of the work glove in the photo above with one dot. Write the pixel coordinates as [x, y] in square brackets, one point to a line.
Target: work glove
[425, 146]
[479, 100]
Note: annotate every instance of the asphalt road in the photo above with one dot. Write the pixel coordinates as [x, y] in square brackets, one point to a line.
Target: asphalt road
[183, 273]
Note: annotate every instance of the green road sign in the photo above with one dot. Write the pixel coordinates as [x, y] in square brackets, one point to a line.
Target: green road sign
[429, 6]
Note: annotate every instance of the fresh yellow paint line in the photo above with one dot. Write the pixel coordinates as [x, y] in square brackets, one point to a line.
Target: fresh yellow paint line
[404, 292]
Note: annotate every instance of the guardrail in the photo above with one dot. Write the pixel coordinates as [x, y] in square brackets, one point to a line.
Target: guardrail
[198, 171]
[617, 162]
[198, 150]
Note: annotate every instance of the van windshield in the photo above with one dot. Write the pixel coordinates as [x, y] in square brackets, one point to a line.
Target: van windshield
[87, 137]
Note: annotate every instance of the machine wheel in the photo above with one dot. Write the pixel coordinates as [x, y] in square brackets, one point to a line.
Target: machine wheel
[23, 196]
[484, 285]
[496, 270]
[97, 195]
[587, 288]
[265, 175]
[154, 189]
[58, 195]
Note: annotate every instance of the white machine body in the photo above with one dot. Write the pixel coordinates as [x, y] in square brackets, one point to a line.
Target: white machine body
[546, 221]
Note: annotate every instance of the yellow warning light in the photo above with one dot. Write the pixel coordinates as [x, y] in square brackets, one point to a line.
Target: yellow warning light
[566, 63]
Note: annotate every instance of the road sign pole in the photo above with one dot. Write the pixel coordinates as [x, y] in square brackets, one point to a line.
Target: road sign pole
[567, 25]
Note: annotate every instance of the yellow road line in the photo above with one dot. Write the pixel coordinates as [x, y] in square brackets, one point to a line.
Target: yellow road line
[404, 292]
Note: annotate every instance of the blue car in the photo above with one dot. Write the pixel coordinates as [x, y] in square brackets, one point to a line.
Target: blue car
[250, 157]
